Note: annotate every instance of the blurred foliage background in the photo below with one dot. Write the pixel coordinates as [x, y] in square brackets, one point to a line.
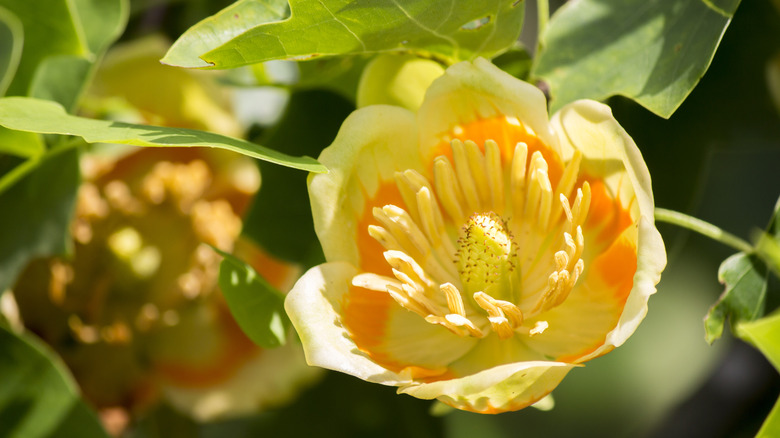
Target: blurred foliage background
[717, 157]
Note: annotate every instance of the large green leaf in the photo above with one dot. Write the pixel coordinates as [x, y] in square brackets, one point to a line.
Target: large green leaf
[764, 333]
[37, 212]
[652, 51]
[38, 397]
[745, 278]
[79, 28]
[11, 41]
[220, 28]
[45, 117]
[444, 29]
[255, 304]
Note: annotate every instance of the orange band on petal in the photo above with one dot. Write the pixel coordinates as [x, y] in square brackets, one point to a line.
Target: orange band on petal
[371, 251]
[507, 135]
[605, 215]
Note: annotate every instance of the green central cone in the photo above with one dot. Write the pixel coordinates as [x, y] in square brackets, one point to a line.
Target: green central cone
[486, 257]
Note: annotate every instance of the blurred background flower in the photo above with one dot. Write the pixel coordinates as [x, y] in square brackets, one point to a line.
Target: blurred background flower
[135, 310]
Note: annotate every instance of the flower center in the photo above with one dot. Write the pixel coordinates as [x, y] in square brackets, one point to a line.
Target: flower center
[455, 259]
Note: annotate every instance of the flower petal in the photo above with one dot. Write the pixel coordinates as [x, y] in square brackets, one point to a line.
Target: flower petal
[473, 91]
[609, 154]
[371, 145]
[499, 389]
[314, 307]
[353, 330]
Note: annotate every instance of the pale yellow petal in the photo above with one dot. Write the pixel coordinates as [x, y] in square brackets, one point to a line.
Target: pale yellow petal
[371, 145]
[314, 305]
[472, 91]
[499, 389]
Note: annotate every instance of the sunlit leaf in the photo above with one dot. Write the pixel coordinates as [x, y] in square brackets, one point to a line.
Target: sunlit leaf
[764, 333]
[654, 52]
[37, 212]
[77, 28]
[38, 397]
[11, 42]
[220, 28]
[745, 278]
[256, 305]
[444, 29]
[35, 115]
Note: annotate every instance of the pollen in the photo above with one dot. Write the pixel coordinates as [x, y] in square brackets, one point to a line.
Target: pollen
[487, 244]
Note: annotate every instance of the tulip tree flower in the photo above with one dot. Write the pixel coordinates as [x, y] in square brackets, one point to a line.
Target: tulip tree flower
[477, 251]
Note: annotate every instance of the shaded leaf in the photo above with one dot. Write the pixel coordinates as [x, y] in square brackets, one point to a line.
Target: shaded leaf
[38, 397]
[60, 79]
[37, 212]
[35, 115]
[78, 28]
[256, 305]
[280, 217]
[745, 278]
[444, 29]
[768, 245]
[20, 143]
[11, 43]
[653, 52]
[764, 333]
[221, 27]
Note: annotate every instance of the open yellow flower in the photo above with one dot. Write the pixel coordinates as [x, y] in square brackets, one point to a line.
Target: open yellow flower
[477, 251]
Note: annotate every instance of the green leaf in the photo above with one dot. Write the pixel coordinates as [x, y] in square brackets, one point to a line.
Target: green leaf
[220, 28]
[256, 305]
[37, 213]
[45, 117]
[745, 278]
[280, 217]
[768, 246]
[764, 333]
[79, 28]
[60, 78]
[444, 29]
[653, 52]
[38, 397]
[11, 43]
[20, 143]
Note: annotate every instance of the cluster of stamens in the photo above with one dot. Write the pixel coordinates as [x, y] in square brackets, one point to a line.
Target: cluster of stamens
[498, 270]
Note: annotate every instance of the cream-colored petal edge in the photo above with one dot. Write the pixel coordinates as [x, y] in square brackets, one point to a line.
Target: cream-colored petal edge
[479, 90]
[372, 144]
[590, 127]
[499, 389]
[314, 306]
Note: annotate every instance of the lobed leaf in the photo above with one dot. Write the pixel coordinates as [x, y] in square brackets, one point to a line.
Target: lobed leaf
[46, 117]
[653, 52]
[444, 29]
[764, 333]
[745, 278]
[256, 305]
[38, 397]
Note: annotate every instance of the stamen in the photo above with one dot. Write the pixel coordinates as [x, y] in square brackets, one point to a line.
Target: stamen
[448, 189]
[477, 166]
[454, 300]
[518, 177]
[567, 181]
[400, 261]
[495, 175]
[463, 172]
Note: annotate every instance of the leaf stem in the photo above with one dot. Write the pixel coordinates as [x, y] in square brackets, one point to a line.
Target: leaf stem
[703, 228]
[23, 169]
[542, 16]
